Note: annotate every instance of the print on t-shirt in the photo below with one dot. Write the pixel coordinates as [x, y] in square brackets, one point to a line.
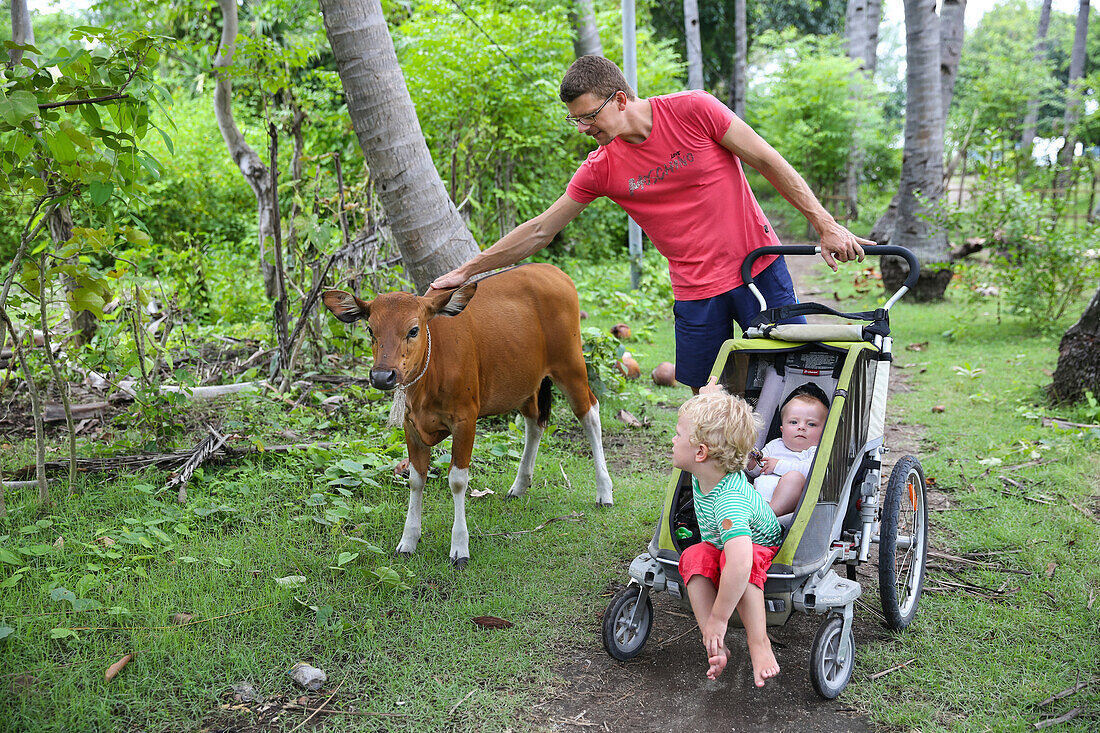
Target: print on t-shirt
[653, 175]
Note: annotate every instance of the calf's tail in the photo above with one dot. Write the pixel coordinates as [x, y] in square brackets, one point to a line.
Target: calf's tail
[544, 402]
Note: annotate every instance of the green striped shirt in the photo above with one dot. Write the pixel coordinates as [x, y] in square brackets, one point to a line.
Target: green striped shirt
[734, 499]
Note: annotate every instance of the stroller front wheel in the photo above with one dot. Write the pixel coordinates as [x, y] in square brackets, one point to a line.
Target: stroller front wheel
[830, 670]
[627, 623]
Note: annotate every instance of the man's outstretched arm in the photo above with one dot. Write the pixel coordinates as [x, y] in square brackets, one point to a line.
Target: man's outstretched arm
[836, 241]
[518, 244]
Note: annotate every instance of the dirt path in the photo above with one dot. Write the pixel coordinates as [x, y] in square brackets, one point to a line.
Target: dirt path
[665, 688]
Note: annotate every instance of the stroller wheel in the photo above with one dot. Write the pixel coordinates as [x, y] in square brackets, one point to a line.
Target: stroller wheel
[627, 623]
[903, 543]
[828, 673]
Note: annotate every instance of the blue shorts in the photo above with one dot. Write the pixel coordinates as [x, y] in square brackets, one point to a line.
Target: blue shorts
[702, 326]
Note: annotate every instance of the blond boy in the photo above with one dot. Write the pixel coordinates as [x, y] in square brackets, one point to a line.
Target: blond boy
[741, 534]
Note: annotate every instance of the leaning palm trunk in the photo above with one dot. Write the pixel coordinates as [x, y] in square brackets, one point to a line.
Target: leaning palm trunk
[426, 225]
[922, 163]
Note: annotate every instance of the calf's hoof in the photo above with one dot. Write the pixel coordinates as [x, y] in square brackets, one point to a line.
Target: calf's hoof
[605, 503]
[459, 562]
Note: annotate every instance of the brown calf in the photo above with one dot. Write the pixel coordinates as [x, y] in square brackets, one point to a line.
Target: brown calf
[459, 357]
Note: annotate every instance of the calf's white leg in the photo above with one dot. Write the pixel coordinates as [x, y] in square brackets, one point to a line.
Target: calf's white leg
[594, 431]
[459, 478]
[411, 536]
[532, 433]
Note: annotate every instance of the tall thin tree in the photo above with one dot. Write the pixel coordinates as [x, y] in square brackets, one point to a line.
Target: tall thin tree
[1073, 97]
[694, 44]
[738, 82]
[1031, 119]
[248, 160]
[428, 230]
[586, 34]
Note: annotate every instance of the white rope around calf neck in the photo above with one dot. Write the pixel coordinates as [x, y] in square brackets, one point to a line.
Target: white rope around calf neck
[397, 410]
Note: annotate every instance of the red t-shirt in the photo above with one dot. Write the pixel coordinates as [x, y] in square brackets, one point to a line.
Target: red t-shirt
[686, 191]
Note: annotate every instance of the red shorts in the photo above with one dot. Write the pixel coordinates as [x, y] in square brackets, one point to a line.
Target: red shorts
[705, 559]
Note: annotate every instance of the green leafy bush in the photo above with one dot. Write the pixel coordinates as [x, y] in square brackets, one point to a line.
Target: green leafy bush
[1040, 265]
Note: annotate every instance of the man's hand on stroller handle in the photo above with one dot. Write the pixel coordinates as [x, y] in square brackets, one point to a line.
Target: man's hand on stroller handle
[837, 243]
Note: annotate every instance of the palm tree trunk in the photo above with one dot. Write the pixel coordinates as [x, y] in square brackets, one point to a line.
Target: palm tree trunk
[426, 225]
[922, 159]
[951, 42]
[1031, 119]
[1078, 367]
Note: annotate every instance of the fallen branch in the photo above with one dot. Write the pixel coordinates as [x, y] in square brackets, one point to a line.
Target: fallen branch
[326, 702]
[172, 627]
[1072, 689]
[161, 460]
[464, 699]
[574, 517]
[209, 445]
[1057, 422]
[1060, 719]
[895, 668]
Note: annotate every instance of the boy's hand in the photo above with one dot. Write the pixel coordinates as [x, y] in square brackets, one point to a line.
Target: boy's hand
[768, 464]
[714, 637]
[712, 386]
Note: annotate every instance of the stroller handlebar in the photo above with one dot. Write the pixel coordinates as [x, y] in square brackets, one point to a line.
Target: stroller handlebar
[809, 249]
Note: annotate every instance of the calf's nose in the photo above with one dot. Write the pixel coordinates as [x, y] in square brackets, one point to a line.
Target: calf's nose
[385, 379]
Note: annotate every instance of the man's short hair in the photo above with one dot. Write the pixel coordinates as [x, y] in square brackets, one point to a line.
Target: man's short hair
[593, 75]
[726, 425]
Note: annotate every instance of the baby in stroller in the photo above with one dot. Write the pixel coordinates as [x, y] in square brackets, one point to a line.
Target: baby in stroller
[781, 468]
[727, 570]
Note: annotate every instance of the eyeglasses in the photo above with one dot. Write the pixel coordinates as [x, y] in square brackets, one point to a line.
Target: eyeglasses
[589, 118]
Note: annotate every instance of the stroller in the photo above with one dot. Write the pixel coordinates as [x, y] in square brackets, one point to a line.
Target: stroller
[841, 512]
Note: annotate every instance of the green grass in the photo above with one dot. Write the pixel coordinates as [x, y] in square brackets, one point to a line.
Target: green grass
[397, 634]
[405, 647]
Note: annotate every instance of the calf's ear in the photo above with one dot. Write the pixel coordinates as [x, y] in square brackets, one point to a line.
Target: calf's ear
[345, 306]
[450, 302]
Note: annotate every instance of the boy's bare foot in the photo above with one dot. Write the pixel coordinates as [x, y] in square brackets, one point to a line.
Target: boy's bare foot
[717, 664]
[764, 664]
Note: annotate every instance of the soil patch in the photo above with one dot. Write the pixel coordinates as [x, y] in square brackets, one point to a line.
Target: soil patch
[665, 687]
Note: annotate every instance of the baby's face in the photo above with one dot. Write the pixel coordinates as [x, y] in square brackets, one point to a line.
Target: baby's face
[802, 424]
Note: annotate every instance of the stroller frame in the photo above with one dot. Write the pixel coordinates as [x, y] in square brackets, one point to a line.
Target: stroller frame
[840, 514]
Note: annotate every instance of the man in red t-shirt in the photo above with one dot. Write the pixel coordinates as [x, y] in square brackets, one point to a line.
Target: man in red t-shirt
[673, 162]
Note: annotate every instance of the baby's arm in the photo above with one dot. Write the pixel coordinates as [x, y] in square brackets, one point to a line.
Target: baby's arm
[731, 586]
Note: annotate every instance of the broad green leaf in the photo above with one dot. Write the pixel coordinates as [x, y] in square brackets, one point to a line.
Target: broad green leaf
[291, 581]
[61, 633]
[188, 559]
[79, 138]
[24, 106]
[223, 562]
[345, 557]
[10, 557]
[100, 192]
[6, 631]
[61, 147]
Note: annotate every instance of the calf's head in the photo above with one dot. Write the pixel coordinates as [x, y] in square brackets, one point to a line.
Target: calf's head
[398, 328]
